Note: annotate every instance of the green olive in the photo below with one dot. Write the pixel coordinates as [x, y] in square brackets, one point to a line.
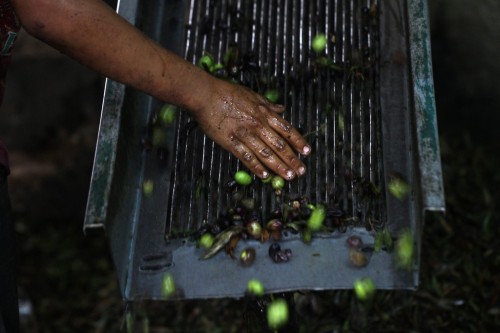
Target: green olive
[272, 95]
[307, 236]
[159, 138]
[206, 241]
[364, 288]
[317, 218]
[319, 43]
[167, 114]
[399, 188]
[148, 187]
[404, 249]
[206, 62]
[383, 240]
[168, 285]
[277, 313]
[243, 178]
[254, 229]
[277, 183]
[340, 122]
[255, 287]
[216, 67]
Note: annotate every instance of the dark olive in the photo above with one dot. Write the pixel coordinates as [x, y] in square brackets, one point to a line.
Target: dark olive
[231, 185]
[237, 220]
[358, 258]
[254, 214]
[248, 203]
[221, 73]
[295, 204]
[274, 225]
[354, 242]
[276, 214]
[237, 195]
[247, 256]
[273, 249]
[278, 255]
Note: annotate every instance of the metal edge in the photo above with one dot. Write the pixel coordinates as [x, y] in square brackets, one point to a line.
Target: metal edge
[429, 159]
[431, 189]
[163, 29]
[105, 152]
[398, 143]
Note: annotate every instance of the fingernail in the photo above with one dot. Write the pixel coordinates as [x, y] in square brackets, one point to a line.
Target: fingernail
[290, 174]
[302, 170]
[306, 150]
[265, 174]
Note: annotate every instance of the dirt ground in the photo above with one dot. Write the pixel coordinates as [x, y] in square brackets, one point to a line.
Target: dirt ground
[49, 121]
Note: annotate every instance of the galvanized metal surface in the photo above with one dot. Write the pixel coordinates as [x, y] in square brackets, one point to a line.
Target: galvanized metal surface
[109, 127]
[380, 138]
[425, 108]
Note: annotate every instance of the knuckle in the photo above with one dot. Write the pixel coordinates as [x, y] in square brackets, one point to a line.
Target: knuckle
[248, 157]
[280, 124]
[266, 152]
[279, 144]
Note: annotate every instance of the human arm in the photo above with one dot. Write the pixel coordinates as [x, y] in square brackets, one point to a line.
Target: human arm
[239, 120]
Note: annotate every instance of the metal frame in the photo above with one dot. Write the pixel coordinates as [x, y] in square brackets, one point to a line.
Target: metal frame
[136, 227]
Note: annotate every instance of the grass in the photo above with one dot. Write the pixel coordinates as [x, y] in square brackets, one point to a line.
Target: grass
[71, 281]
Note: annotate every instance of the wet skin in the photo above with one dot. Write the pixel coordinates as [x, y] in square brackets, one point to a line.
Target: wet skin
[239, 120]
[250, 127]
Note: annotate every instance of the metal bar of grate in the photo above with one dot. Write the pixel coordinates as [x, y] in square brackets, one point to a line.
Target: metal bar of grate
[336, 109]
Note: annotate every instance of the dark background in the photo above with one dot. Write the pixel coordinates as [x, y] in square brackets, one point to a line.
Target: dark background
[49, 121]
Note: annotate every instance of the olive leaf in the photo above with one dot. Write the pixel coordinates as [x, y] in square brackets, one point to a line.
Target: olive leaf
[221, 240]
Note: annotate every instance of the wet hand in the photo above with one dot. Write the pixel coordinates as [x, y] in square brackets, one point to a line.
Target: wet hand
[250, 127]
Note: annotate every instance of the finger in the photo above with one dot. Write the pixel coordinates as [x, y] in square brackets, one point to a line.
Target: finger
[283, 128]
[266, 155]
[245, 155]
[283, 152]
[278, 108]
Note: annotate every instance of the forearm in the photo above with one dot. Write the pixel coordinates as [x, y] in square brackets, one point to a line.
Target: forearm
[91, 33]
[237, 118]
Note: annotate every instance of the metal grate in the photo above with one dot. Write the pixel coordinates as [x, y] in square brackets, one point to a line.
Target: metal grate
[336, 107]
